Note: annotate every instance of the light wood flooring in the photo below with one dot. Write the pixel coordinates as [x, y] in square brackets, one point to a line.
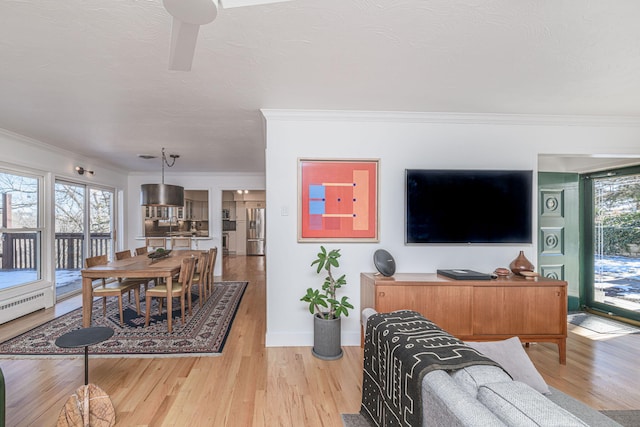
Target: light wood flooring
[250, 385]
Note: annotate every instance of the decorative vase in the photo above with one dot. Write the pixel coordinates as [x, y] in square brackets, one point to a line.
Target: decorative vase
[520, 264]
[326, 338]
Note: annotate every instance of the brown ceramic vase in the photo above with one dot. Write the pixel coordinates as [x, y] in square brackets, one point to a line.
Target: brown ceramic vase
[520, 264]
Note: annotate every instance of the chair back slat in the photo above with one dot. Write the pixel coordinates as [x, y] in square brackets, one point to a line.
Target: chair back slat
[181, 243]
[123, 254]
[203, 267]
[142, 250]
[186, 271]
[95, 260]
[156, 242]
[213, 254]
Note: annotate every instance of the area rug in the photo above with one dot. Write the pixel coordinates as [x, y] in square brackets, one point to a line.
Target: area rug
[600, 324]
[354, 420]
[204, 332]
[628, 418]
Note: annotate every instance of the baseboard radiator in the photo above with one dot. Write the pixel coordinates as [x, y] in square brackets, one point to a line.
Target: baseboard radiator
[19, 306]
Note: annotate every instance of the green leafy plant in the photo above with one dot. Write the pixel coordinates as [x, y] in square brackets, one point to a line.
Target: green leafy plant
[323, 302]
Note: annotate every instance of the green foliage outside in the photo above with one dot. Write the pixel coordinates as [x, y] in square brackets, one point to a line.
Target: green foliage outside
[617, 214]
[620, 231]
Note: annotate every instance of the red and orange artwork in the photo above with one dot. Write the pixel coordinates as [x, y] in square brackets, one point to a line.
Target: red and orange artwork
[338, 200]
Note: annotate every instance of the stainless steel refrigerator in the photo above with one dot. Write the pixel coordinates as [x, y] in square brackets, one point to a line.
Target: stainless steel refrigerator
[255, 231]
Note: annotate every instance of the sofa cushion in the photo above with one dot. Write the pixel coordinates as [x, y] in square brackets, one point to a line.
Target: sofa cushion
[472, 377]
[586, 413]
[517, 404]
[444, 403]
[511, 356]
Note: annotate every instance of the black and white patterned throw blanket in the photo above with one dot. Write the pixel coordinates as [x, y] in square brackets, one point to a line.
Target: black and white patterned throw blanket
[399, 349]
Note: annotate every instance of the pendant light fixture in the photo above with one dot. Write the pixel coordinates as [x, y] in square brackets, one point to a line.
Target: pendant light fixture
[162, 194]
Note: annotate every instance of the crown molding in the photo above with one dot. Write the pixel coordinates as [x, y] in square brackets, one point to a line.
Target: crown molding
[449, 118]
[70, 154]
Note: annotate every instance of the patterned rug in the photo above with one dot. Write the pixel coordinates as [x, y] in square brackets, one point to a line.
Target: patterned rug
[204, 332]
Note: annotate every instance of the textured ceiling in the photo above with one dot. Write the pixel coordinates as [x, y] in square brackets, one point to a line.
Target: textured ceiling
[91, 76]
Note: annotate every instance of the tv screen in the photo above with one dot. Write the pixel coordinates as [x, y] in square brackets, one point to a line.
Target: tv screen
[468, 206]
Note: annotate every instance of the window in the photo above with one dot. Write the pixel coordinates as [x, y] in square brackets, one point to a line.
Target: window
[20, 232]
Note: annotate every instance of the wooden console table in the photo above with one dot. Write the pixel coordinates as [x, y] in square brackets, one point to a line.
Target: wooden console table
[533, 309]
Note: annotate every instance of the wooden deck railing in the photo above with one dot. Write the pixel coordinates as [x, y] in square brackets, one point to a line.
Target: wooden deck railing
[19, 250]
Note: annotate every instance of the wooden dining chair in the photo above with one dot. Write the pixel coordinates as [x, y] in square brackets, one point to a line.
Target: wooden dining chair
[123, 254]
[112, 288]
[156, 242]
[178, 290]
[201, 276]
[143, 250]
[133, 280]
[213, 254]
[180, 243]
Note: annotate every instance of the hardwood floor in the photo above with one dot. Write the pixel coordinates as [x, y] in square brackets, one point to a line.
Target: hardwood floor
[250, 385]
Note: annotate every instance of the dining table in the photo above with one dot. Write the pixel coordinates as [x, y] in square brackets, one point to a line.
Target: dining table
[139, 266]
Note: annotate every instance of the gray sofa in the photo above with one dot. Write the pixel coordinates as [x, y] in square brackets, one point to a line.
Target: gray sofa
[479, 396]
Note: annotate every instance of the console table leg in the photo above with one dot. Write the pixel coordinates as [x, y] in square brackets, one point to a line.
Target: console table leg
[562, 351]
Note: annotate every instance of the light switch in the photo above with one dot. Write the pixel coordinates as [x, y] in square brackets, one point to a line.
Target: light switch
[284, 211]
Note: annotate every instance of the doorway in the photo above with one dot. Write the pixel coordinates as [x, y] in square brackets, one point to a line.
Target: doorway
[615, 253]
[239, 236]
[83, 228]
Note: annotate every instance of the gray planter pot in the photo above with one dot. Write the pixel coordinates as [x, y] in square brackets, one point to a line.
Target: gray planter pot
[326, 338]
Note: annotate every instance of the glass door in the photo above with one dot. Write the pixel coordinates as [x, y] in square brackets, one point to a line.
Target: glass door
[83, 228]
[615, 223]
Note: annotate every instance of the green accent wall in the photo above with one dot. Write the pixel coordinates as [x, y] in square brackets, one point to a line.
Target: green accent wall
[559, 232]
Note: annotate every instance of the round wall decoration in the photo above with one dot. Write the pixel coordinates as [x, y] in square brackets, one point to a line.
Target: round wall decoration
[384, 262]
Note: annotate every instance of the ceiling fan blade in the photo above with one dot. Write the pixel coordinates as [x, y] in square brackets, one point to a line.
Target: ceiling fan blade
[183, 45]
[188, 15]
[192, 11]
[228, 4]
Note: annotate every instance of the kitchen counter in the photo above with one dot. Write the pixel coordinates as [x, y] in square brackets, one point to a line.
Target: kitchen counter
[186, 234]
[168, 236]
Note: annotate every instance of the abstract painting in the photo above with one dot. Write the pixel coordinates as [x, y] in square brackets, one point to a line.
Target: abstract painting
[338, 200]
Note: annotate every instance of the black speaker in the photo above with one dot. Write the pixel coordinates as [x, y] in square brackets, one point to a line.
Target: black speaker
[384, 262]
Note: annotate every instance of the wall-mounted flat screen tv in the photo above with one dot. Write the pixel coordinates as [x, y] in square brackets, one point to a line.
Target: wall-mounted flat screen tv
[468, 206]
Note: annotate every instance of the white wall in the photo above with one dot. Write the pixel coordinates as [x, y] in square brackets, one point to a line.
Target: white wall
[401, 141]
[214, 183]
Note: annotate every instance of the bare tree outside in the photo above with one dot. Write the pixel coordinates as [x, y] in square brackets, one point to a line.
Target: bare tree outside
[19, 201]
[19, 233]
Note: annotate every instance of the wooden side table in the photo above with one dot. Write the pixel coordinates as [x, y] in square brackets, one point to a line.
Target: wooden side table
[84, 338]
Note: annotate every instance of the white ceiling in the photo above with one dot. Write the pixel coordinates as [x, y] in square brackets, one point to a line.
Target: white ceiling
[91, 76]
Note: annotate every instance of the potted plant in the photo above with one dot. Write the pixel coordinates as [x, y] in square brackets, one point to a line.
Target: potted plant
[326, 308]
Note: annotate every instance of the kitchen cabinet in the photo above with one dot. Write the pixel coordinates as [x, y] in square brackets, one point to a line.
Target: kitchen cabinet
[196, 210]
[188, 209]
[200, 210]
[155, 212]
[232, 243]
[229, 210]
